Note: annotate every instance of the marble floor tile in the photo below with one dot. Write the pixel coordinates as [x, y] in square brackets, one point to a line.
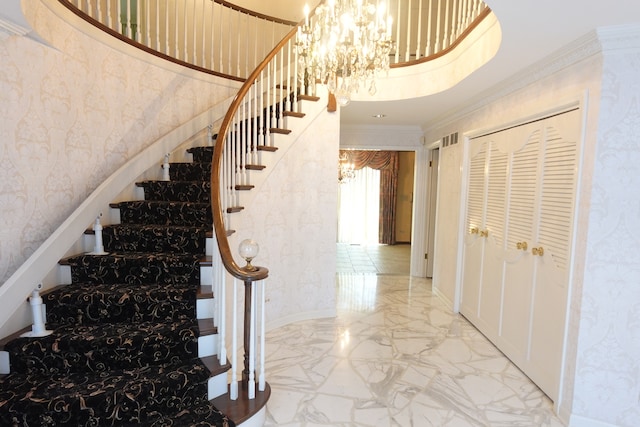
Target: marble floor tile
[395, 356]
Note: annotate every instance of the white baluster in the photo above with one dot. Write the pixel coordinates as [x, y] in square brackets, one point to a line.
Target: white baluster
[427, 48]
[203, 26]
[397, 58]
[261, 380]
[252, 346]
[176, 41]
[98, 247]
[38, 329]
[407, 55]
[419, 40]
[165, 168]
[436, 47]
[109, 17]
[185, 34]
[233, 390]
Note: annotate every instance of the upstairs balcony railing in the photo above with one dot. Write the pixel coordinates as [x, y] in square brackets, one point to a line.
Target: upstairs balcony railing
[221, 38]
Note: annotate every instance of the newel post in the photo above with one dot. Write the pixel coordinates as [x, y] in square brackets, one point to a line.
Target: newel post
[248, 250]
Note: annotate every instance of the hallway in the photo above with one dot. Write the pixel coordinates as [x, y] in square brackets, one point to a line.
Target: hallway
[395, 356]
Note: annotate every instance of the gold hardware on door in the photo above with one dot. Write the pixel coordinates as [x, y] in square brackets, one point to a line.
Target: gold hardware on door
[522, 246]
[474, 230]
[537, 251]
[484, 233]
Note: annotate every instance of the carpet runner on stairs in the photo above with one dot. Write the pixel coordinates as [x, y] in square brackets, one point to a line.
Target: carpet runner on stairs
[124, 350]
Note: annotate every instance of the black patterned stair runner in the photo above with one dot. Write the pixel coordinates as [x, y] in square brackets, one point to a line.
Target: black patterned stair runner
[124, 350]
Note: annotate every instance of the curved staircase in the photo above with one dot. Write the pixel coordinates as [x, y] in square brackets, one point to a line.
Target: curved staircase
[130, 343]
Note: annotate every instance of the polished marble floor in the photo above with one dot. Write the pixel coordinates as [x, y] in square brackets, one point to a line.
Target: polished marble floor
[376, 259]
[395, 356]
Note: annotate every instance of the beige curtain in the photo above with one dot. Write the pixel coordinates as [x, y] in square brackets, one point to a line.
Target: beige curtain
[387, 163]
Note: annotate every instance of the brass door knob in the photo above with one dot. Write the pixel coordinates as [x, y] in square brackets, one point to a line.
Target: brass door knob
[522, 246]
[537, 251]
[484, 233]
[474, 230]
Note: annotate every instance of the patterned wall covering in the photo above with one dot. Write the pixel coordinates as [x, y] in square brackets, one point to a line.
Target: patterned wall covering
[298, 234]
[71, 114]
[608, 366]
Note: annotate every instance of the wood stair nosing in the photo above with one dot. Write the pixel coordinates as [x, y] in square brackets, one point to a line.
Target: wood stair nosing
[294, 114]
[243, 408]
[214, 366]
[280, 131]
[267, 148]
[254, 167]
[207, 327]
[244, 187]
[235, 209]
[308, 98]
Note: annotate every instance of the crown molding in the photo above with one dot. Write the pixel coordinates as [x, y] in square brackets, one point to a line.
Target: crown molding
[571, 54]
[10, 28]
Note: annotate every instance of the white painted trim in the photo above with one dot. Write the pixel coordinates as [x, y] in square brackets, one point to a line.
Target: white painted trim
[5, 363]
[419, 232]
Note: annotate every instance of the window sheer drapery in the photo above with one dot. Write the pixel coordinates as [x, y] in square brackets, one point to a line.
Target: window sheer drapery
[358, 208]
[387, 163]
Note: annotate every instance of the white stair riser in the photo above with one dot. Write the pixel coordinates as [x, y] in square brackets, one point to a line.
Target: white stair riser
[217, 386]
[5, 367]
[207, 345]
[206, 276]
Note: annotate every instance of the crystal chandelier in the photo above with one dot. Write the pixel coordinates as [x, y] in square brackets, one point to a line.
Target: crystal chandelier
[345, 45]
[346, 171]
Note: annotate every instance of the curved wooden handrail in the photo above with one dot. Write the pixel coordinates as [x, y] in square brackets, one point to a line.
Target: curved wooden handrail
[256, 14]
[216, 200]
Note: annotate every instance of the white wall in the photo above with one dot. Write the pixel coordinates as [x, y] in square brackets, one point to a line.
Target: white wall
[293, 219]
[601, 382]
[70, 114]
[607, 384]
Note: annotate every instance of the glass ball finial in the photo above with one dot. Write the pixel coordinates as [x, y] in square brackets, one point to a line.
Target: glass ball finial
[248, 250]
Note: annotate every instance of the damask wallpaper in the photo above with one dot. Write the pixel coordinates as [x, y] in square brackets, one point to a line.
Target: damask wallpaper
[72, 112]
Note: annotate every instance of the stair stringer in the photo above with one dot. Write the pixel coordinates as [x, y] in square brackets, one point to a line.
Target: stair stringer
[42, 266]
[297, 126]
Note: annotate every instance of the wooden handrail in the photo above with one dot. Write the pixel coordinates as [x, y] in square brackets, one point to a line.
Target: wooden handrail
[256, 14]
[228, 261]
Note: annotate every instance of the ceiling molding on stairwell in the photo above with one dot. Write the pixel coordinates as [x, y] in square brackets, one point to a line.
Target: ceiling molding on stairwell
[10, 28]
[571, 54]
[619, 38]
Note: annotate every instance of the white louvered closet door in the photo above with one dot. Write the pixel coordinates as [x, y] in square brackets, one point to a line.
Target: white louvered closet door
[519, 219]
[554, 236]
[473, 243]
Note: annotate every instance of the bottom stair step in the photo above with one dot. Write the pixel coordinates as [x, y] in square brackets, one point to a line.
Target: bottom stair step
[145, 396]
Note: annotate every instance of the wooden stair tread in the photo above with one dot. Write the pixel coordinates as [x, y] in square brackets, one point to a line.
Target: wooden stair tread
[244, 187]
[254, 167]
[204, 292]
[235, 209]
[207, 327]
[293, 114]
[266, 148]
[214, 366]
[308, 98]
[280, 131]
[243, 408]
